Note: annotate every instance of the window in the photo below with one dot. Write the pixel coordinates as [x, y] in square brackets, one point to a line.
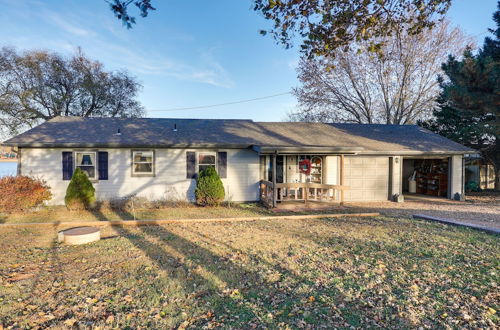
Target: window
[86, 161]
[316, 175]
[142, 162]
[205, 160]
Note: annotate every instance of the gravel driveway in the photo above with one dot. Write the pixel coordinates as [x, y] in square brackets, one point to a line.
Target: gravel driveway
[479, 208]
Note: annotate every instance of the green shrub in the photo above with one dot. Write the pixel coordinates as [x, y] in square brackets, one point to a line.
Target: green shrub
[209, 188]
[80, 193]
[20, 193]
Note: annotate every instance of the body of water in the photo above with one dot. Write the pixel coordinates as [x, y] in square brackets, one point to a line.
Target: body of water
[8, 168]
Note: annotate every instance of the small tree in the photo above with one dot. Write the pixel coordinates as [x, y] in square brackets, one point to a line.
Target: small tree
[80, 193]
[209, 188]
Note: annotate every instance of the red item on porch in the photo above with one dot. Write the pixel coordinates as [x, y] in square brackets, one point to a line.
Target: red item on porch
[305, 166]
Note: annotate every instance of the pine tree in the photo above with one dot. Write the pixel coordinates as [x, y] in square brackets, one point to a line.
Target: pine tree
[469, 110]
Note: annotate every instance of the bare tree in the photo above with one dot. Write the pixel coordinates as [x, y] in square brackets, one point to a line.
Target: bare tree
[397, 85]
[38, 85]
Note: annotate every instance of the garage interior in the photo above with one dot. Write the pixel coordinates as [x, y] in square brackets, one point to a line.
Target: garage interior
[426, 176]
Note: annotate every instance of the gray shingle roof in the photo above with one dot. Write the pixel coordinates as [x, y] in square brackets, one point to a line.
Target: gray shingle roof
[159, 132]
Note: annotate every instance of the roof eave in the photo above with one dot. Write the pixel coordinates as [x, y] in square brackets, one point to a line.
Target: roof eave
[418, 152]
[128, 145]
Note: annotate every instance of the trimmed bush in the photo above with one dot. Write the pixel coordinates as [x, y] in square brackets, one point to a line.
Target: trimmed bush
[21, 193]
[209, 188]
[80, 193]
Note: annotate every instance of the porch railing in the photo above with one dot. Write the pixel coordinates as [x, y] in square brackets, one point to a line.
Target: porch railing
[301, 192]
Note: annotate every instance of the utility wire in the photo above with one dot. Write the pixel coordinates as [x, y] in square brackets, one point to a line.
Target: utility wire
[242, 101]
[220, 104]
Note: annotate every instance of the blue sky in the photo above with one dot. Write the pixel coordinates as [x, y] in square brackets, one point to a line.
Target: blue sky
[187, 53]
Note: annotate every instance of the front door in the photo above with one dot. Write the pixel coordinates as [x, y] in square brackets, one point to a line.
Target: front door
[280, 168]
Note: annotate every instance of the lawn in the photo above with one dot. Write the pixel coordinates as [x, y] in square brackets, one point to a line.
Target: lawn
[187, 211]
[346, 272]
[184, 211]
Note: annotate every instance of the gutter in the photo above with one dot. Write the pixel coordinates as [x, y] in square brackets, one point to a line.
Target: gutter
[257, 148]
[317, 150]
[129, 146]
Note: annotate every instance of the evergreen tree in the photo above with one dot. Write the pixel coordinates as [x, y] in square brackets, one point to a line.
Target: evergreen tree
[209, 188]
[80, 193]
[469, 111]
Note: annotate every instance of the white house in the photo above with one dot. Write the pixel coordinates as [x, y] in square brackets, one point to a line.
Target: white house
[274, 161]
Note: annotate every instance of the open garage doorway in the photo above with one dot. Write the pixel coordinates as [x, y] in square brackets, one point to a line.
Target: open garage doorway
[426, 176]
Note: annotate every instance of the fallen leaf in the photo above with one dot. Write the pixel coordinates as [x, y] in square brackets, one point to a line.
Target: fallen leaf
[110, 319]
[183, 325]
[70, 322]
[19, 277]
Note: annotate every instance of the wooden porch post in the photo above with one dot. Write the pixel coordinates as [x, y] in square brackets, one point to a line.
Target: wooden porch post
[275, 191]
[342, 179]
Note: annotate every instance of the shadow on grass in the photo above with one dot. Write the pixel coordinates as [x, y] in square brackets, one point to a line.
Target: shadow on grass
[237, 292]
[53, 272]
[197, 270]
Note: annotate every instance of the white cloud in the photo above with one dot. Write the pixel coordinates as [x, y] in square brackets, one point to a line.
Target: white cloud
[65, 24]
[207, 70]
[113, 45]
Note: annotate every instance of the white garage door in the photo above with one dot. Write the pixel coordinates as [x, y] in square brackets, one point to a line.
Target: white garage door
[367, 178]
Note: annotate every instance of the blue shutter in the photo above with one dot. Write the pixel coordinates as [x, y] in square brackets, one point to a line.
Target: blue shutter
[190, 165]
[102, 159]
[67, 165]
[222, 164]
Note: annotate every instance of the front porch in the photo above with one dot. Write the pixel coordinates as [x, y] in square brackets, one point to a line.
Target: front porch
[306, 195]
[290, 186]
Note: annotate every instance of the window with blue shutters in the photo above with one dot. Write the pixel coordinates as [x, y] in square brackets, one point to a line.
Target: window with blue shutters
[94, 164]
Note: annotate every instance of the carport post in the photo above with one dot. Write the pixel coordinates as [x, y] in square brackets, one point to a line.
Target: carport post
[275, 191]
[342, 179]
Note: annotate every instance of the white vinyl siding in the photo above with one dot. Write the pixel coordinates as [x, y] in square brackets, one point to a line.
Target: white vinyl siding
[169, 181]
[331, 170]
